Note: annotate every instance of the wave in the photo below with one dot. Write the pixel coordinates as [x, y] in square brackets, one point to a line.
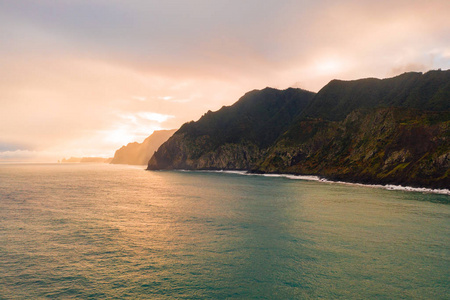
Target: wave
[390, 187]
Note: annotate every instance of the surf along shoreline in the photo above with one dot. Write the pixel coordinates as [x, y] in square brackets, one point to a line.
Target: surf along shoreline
[390, 187]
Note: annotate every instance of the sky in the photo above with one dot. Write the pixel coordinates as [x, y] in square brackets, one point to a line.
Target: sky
[84, 77]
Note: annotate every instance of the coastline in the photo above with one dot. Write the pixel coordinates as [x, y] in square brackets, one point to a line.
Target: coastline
[390, 187]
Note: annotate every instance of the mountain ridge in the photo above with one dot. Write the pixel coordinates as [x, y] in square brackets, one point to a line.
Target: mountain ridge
[413, 90]
[236, 136]
[266, 131]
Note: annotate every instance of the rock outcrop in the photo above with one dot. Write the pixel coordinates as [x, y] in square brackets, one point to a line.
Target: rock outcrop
[383, 146]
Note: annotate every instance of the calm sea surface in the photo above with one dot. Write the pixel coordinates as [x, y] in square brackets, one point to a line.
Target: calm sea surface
[106, 231]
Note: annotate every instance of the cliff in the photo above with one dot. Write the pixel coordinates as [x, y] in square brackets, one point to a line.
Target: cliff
[383, 146]
[140, 153]
[389, 131]
[234, 137]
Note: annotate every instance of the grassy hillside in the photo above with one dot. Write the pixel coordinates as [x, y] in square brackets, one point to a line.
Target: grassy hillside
[385, 145]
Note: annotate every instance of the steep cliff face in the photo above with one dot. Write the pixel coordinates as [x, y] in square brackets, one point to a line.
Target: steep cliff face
[387, 145]
[392, 131]
[140, 153]
[235, 137]
[181, 152]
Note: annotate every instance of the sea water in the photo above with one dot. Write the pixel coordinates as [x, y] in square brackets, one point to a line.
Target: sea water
[107, 231]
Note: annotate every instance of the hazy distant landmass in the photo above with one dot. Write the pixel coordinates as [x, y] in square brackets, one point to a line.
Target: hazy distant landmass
[140, 153]
[389, 131]
[87, 160]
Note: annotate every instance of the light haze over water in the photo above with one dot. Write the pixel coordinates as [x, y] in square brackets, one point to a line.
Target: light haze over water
[111, 231]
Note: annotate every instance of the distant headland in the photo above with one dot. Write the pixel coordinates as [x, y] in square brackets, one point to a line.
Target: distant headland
[86, 160]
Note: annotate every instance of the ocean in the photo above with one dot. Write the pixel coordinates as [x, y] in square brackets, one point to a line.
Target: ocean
[93, 231]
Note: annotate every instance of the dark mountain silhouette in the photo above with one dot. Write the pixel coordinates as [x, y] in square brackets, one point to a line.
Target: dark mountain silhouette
[429, 91]
[394, 130]
[234, 137]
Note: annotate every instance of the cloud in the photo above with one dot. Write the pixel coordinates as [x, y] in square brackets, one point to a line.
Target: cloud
[28, 155]
[165, 98]
[12, 147]
[139, 98]
[70, 69]
[174, 100]
[151, 116]
[408, 68]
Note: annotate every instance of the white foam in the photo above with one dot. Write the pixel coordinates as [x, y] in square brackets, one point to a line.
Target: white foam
[389, 187]
[294, 177]
[216, 171]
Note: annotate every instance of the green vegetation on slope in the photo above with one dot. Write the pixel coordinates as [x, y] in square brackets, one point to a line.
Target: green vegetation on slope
[429, 91]
[385, 145]
[234, 137]
[394, 130]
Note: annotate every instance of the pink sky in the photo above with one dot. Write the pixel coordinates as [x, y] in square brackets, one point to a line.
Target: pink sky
[82, 78]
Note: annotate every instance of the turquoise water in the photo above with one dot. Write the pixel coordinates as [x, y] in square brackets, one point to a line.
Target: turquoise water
[106, 231]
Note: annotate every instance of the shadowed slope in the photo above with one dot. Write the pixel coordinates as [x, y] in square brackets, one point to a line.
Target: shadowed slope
[429, 91]
[394, 130]
[234, 137]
